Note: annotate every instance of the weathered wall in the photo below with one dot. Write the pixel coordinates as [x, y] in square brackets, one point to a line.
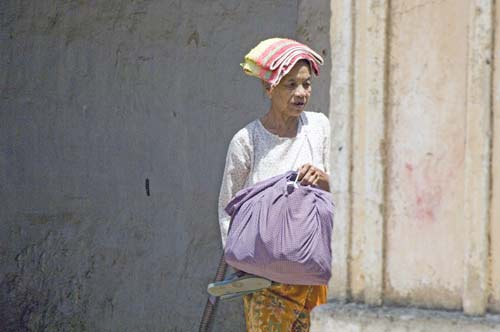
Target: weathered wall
[427, 102]
[494, 282]
[415, 126]
[313, 26]
[97, 97]
[335, 317]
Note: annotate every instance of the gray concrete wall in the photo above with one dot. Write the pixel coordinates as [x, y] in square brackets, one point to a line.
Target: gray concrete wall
[96, 97]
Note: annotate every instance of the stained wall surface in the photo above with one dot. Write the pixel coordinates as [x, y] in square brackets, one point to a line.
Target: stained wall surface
[494, 282]
[414, 106]
[96, 99]
[425, 180]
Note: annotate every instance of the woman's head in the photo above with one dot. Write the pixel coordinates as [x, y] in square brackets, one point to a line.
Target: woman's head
[272, 59]
[292, 93]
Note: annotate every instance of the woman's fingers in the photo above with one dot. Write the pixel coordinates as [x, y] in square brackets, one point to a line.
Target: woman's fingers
[303, 170]
[316, 179]
[308, 174]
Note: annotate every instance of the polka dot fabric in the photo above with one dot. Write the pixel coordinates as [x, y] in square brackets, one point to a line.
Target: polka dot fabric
[282, 232]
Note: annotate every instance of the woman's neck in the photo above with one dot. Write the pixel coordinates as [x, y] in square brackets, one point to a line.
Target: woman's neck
[280, 124]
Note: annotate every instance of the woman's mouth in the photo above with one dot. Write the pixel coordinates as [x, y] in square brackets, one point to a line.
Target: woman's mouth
[299, 104]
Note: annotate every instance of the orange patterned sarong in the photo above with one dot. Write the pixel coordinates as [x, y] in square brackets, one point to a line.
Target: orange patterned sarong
[282, 308]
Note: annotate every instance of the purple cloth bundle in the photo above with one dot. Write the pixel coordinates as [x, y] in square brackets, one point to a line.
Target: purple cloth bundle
[282, 232]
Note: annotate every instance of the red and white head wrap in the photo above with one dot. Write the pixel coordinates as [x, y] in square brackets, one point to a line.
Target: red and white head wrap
[273, 58]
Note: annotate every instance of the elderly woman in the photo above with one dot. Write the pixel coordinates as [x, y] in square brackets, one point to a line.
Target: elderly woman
[285, 138]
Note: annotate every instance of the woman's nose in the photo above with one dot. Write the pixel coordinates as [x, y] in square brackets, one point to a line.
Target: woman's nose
[300, 91]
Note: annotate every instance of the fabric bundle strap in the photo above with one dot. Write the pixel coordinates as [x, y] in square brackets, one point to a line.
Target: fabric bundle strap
[273, 58]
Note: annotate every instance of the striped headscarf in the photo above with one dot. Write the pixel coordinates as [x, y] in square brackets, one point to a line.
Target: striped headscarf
[273, 58]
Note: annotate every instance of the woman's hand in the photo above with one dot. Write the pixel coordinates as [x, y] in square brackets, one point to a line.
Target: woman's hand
[311, 175]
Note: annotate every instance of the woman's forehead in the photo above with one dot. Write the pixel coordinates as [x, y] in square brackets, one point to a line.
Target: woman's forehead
[299, 71]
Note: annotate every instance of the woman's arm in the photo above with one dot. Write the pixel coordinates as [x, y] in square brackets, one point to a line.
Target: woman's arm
[312, 175]
[236, 172]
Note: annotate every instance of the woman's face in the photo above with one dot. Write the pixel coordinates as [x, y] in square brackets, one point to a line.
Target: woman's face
[291, 95]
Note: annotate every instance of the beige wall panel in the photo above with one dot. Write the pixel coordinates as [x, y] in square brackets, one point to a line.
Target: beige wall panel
[477, 192]
[369, 130]
[494, 300]
[358, 240]
[341, 34]
[425, 233]
[368, 155]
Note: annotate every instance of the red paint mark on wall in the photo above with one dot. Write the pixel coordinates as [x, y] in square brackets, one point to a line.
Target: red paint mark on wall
[428, 201]
[426, 188]
[426, 192]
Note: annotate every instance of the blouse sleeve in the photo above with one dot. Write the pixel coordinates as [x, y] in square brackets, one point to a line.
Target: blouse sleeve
[236, 171]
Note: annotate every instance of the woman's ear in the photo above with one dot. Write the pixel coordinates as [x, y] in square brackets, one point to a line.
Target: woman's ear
[269, 92]
[268, 89]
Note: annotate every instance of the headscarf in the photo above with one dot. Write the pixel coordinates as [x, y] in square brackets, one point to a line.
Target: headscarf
[273, 58]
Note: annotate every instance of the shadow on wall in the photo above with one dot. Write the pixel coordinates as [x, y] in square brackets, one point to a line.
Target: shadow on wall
[98, 99]
[313, 29]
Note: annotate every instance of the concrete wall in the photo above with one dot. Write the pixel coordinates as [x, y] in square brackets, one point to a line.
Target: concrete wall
[425, 178]
[334, 317]
[494, 281]
[415, 115]
[415, 124]
[96, 98]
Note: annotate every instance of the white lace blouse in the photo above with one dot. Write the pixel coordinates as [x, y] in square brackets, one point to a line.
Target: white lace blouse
[255, 154]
